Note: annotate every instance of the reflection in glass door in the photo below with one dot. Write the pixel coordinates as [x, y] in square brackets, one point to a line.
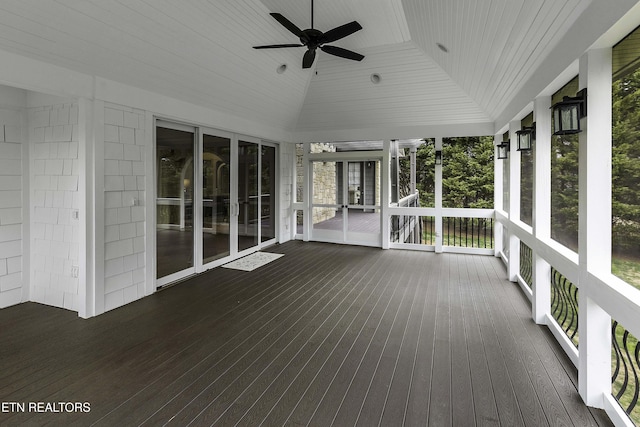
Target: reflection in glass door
[216, 197]
[267, 193]
[247, 195]
[174, 200]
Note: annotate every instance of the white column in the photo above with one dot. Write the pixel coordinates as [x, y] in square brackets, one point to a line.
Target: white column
[438, 197]
[513, 267]
[307, 213]
[97, 172]
[385, 197]
[86, 279]
[594, 238]
[541, 303]
[498, 201]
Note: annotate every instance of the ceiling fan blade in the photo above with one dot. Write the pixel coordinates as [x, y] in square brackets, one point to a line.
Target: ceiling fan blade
[309, 57]
[343, 53]
[340, 32]
[287, 24]
[275, 46]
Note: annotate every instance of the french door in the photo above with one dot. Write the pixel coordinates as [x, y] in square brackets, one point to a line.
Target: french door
[215, 198]
[345, 201]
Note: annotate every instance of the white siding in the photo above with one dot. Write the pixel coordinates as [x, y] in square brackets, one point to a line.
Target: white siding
[124, 200]
[11, 212]
[54, 204]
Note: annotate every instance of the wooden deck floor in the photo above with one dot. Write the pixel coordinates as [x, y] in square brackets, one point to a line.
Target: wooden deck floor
[326, 335]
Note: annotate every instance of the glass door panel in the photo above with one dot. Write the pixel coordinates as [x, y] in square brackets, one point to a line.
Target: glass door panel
[216, 197]
[267, 193]
[363, 208]
[328, 201]
[346, 202]
[247, 195]
[174, 201]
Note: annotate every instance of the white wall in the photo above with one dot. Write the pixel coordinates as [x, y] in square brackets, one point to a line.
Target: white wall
[54, 200]
[12, 212]
[124, 205]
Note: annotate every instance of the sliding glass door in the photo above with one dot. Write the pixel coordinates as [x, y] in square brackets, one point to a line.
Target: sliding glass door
[175, 148]
[247, 194]
[215, 198]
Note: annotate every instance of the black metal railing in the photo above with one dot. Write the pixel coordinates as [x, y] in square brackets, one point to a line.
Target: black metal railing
[625, 366]
[564, 305]
[526, 264]
[467, 232]
[413, 229]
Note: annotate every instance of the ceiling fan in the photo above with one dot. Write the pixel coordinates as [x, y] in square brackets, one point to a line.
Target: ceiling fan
[313, 39]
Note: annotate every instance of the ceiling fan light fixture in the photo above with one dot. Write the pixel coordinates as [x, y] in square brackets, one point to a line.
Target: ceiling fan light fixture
[376, 78]
[281, 68]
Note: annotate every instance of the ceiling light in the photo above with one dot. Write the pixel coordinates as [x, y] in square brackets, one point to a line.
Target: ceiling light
[375, 78]
[281, 69]
[442, 47]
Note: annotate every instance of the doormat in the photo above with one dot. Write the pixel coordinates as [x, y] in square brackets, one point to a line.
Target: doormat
[253, 261]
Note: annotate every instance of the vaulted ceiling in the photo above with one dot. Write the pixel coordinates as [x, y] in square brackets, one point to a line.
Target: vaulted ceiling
[201, 51]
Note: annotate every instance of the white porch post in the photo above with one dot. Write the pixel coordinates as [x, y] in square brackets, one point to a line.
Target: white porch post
[541, 303]
[498, 202]
[594, 239]
[513, 267]
[307, 213]
[438, 197]
[385, 197]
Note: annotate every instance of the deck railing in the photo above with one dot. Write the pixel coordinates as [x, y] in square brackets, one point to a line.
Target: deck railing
[526, 264]
[461, 230]
[467, 232]
[625, 367]
[564, 305]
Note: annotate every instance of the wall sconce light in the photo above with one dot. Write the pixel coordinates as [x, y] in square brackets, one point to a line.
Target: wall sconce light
[526, 136]
[568, 112]
[438, 157]
[503, 150]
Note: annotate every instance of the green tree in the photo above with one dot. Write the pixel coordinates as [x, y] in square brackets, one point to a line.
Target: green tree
[564, 190]
[626, 165]
[467, 172]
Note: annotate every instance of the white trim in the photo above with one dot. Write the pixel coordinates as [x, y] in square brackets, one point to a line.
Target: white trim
[150, 203]
[465, 250]
[525, 287]
[86, 196]
[615, 412]
[563, 340]
[99, 207]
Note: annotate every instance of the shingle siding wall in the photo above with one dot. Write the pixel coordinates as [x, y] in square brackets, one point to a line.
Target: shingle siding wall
[54, 200]
[124, 201]
[11, 214]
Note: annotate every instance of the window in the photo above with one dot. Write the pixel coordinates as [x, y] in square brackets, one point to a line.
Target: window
[467, 172]
[526, 178]
[505, 177]
[564, 180]
[625, 162]
[425, 170]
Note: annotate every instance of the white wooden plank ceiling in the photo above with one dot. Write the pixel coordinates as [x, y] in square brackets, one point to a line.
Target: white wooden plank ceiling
[201, 51]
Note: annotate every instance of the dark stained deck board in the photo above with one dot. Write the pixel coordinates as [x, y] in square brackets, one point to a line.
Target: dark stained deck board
[326, 334]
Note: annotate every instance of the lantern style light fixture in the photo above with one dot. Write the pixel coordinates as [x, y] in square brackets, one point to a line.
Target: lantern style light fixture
[438, 157]
[503, 150]
[568, 112]
[526, 136]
